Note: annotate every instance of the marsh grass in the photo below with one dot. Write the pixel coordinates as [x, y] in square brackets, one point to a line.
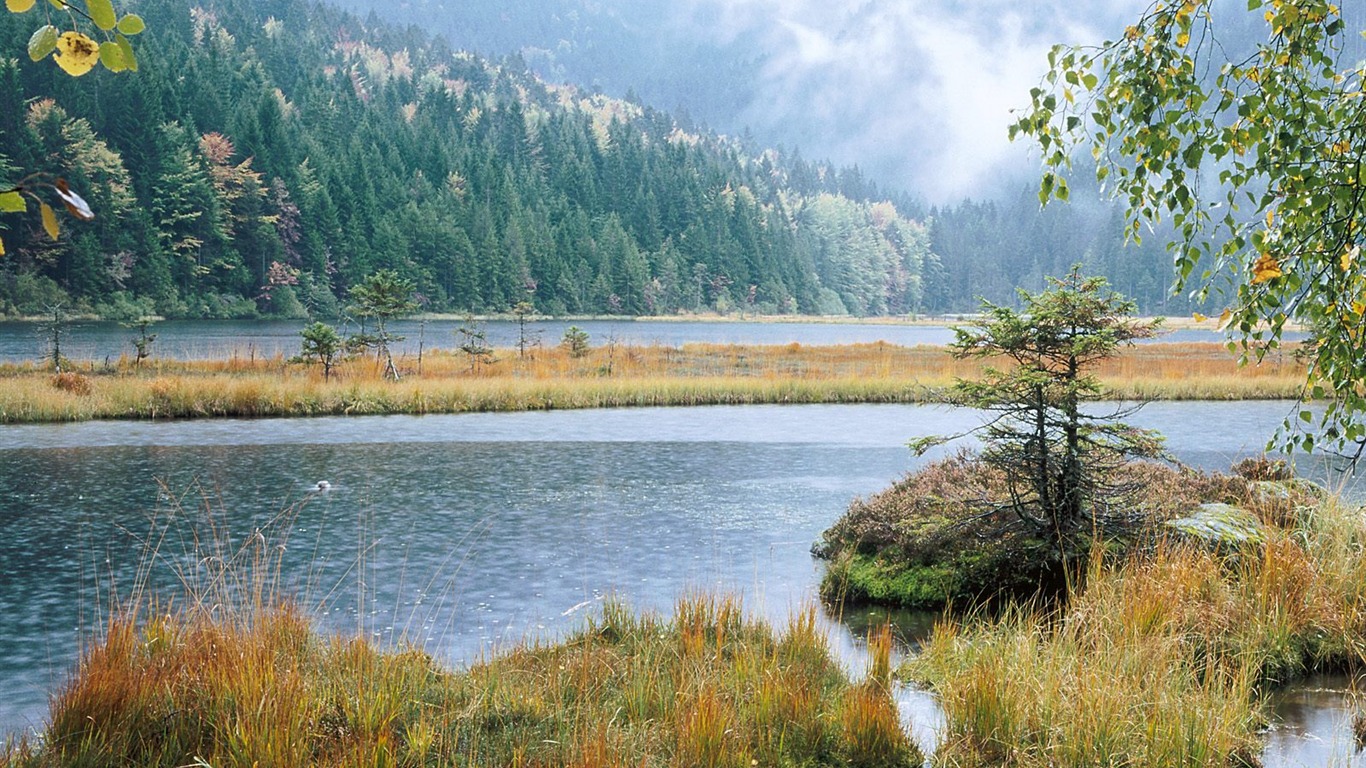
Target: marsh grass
[696, 374]
[229, 671]
[1161, 659]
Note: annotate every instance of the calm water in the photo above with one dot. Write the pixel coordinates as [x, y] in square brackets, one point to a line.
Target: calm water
[467, 532]
[198, 339]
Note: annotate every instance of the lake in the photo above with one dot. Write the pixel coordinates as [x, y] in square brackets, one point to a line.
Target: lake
[464, 533]
[203, 339]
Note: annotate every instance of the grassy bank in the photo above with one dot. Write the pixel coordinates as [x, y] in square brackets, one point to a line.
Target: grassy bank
[198, 687]
[616, 375]
[1161, 659]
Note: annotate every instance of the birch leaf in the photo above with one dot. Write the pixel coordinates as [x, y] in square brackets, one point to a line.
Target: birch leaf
[102, 13]
[76, 53]
[50, 222]
[132, 24]
[75, 204]
[43, 42]
[111, 56]
[130, 61]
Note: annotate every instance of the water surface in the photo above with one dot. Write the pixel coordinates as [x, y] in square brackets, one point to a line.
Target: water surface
[467, 532]
[222, 339]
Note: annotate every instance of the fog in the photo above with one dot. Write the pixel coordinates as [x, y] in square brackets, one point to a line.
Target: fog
[917, 93]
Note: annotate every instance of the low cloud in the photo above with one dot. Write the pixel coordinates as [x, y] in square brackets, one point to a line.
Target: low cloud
[918, 93]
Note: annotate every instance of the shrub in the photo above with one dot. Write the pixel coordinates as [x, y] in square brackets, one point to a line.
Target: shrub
[73, 383]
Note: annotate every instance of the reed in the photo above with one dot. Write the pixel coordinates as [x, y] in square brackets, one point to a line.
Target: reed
[231, 673]
[1159, 660]
[614, 376]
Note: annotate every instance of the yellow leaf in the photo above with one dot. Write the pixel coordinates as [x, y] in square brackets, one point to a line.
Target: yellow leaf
[1266, 268]
[77, 53]
[18, 6]
[12, 202]
[1270, 217]
[50, 222]
[2, 247]
[1358, 307]
[1224, 318]
[1183, 39]
[1199, 318]
[1348, 256]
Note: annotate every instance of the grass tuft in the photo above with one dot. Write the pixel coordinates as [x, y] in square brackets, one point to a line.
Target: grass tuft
[231, 673]
[1160, 659]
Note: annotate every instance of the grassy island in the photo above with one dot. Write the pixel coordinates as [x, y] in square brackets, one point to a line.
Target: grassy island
[609, 376]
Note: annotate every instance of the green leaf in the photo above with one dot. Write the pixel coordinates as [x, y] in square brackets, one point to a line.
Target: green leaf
[58, 4]
[42, 43]
[111, 56]
[131, 24]
[12, 202]
[102, 13]
[19, 6]
[130, 61]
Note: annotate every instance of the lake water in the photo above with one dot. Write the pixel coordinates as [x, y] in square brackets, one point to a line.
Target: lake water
[200, 339]
[463, 533]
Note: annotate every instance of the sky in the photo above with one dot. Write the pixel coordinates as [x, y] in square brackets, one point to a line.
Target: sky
[916, 92]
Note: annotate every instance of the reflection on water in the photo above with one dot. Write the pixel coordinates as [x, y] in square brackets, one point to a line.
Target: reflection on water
[1312, 725]
[468, 532]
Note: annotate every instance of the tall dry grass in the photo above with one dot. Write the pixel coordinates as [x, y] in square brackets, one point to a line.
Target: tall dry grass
[1159, 660]
[610, 376]
[231, 673]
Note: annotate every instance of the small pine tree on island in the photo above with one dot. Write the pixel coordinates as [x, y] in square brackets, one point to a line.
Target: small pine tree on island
[1057, 457]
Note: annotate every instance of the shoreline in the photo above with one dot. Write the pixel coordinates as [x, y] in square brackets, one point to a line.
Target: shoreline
[1169, 322]
[606, 377]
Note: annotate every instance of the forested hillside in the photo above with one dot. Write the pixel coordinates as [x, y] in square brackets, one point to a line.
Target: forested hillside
[730, 63]
[269, 155]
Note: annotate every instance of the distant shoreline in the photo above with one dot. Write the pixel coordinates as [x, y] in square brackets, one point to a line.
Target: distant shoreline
[448, 381]
[1169, 322]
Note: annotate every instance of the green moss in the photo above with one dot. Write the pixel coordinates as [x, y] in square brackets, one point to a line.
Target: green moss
[863, 578]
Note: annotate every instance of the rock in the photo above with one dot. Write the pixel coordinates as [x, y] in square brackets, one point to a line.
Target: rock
[1220, 525]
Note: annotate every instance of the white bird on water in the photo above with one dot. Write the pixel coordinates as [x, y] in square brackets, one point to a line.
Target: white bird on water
[323, 485]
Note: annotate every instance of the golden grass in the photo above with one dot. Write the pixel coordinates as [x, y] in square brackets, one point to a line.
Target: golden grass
[1159, 660]
[257, 687]
[696, 374]
[228, 672]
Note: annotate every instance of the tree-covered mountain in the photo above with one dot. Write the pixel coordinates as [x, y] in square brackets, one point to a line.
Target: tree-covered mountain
[270, 155]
